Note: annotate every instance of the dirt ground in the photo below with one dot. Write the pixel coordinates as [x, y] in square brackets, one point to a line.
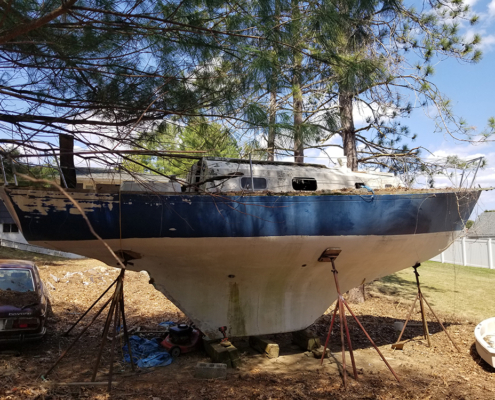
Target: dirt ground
[439, 372]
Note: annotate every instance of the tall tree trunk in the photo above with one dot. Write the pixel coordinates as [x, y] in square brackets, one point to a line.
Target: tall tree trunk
[356, 295]
[272, 120]
[275, 72]
[297, 97]
[348, 131]
[298, 120]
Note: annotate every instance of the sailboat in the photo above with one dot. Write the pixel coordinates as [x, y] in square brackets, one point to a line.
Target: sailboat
[238, 243]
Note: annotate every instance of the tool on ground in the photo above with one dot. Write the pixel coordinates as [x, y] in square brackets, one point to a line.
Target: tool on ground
[182, 339]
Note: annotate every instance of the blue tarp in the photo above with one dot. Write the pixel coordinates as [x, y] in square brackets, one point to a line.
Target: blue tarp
[147, 353]
[167, 324]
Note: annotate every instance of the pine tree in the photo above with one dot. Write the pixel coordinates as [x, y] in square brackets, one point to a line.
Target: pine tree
[103, 70]
[198, 135]
[378, 43]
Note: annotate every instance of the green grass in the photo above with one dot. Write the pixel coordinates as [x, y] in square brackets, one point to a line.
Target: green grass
[453, 290]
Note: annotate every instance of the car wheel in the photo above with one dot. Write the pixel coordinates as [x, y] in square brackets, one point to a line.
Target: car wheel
[49, 310]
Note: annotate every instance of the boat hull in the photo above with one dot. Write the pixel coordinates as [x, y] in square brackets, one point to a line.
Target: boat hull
[250, 263]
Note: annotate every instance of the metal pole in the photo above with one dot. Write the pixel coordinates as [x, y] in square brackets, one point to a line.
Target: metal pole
[341, 311]
[329, 332]
[13, 172]
[59, 169]
[251, 171]
[341, 304]
[3, 171]
[421, 305]
[476, 172]
[92, 305]
[349, 345]
[407, 319]
[107, 327]
[372, 343]
[445, 330]
[343, 325]
[490, 253]
[77, 338]
[126, 333]
[112, 351]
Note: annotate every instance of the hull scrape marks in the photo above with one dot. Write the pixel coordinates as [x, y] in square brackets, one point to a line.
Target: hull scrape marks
[237, 323]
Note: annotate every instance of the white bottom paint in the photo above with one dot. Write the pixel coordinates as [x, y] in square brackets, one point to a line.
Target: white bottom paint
[262, 285]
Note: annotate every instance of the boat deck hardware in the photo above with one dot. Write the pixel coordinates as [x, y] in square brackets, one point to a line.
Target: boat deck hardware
[329, 254]
[115, 313]
[332, 253]
[422, 298]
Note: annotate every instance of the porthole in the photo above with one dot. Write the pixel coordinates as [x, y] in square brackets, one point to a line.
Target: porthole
[259, 183]
[304, 184]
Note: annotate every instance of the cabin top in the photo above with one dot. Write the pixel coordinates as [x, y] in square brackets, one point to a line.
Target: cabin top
[221, 175]
[231, 175]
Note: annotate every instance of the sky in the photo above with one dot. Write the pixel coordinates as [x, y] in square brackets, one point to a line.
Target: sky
[471, 88]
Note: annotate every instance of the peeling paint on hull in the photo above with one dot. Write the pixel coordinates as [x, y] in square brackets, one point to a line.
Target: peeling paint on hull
[251, 264]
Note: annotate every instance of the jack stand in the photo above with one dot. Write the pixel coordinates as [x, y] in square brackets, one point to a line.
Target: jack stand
[115, 313]
[331, 254]
[421, 298]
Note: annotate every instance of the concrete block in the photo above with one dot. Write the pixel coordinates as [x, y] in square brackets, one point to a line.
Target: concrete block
[319, 351]
[235, 356]
[306, 340]
[219, 354]
[210, 371]
[265, 346]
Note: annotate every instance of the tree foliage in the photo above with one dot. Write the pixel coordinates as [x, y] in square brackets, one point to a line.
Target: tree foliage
[102, 69]
[281, 76]
[199, 135]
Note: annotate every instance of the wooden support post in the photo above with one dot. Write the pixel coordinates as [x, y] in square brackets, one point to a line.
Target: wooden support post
[67, 167]
[306, 340]
[220, 354]
[265, 346]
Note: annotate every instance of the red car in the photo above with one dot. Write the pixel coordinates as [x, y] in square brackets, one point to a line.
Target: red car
[23, 302]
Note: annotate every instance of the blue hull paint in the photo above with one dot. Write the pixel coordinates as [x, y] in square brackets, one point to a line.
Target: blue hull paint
[196, 216]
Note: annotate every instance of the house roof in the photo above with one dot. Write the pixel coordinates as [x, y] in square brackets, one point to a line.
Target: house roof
[484, 226]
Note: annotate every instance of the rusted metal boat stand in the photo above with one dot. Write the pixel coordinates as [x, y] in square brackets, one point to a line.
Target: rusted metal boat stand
[115, 313]
[330, 255]
[422, 299]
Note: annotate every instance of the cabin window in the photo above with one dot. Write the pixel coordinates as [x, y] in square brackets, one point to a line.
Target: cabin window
[259, 183]
[304, 184]
[10, 228]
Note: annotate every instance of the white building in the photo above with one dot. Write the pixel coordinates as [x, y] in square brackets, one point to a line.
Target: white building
[8, 229]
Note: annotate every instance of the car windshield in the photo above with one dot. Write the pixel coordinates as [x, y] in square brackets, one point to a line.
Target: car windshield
[19, 280]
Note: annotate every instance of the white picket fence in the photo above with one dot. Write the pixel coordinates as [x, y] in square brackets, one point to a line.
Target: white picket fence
[470, 252]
